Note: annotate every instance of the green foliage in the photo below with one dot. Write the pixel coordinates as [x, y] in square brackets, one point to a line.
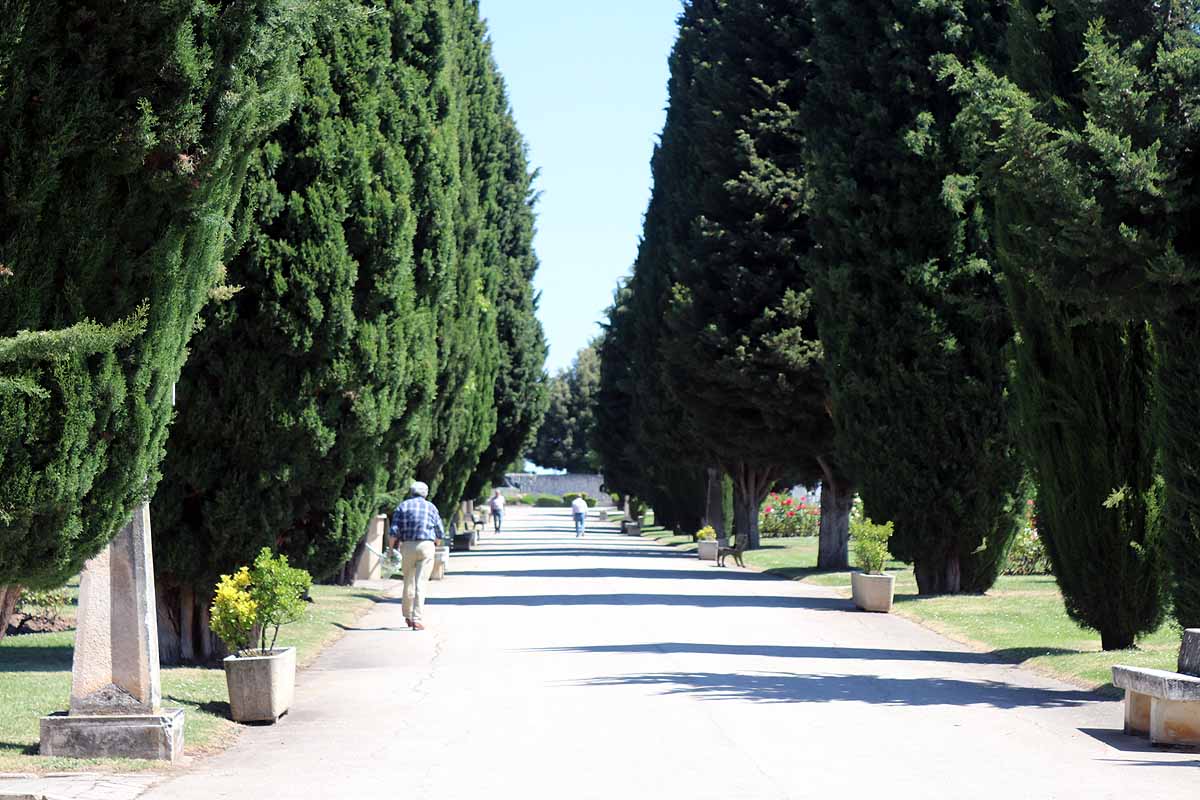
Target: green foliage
[564, 440]
[45, 604]
[1027, 556]
[1074, 169]
[910, 313]
[307, 394]
[253, 603]
[870, 543]
[783, 515]
[522, 392]
[571, 496]
[124, 133]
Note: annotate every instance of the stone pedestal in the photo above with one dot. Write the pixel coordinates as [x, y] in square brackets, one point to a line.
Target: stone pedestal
[116, 695]
[370, 565]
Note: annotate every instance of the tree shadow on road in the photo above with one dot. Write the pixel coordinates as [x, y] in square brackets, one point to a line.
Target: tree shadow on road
[626, 599]
[616, 572]
[575, 552]
[786, 687]
[783, 651]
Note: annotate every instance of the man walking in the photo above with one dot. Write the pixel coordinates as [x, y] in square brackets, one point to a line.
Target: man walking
[497, 504]
[579, 508]
[416, 526]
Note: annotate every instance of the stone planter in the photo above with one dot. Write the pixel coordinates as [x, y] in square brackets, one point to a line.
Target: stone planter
[707, 549]
[441, 563]
[261, 688]
[873, 592]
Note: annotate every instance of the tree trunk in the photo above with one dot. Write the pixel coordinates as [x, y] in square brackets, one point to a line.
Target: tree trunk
[750, 487]
[187, 613]
[345, 575]
[167, 607]
[939, 576]
[1116, 639]
[714, 511]
[184, 633]
[9, 595]
[837, 498]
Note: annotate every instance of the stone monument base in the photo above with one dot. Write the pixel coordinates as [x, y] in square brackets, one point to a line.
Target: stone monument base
[156, 737]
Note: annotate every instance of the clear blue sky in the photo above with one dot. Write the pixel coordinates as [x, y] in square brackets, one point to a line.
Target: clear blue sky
[588, 85]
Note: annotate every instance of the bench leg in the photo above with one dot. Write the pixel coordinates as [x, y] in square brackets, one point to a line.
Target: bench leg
[1175, 722]
[1137, 713]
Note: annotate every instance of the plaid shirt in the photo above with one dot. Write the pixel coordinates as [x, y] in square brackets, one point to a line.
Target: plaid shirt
[417, 519]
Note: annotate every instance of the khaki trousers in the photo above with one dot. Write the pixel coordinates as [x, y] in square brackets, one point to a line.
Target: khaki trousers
[416, 562]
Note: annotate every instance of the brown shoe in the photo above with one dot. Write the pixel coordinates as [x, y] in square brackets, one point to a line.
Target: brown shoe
[408, 622]
[416, 626]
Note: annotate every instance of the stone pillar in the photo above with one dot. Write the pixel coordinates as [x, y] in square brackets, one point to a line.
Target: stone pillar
[116, 693]
[1189, 653]
[370, 565]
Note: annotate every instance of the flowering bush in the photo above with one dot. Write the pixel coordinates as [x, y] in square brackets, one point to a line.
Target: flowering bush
[783, 515]
[253, 603]
[706, 534]
[1028, 553]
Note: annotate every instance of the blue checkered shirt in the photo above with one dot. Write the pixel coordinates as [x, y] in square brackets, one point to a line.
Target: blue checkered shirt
[417, 519]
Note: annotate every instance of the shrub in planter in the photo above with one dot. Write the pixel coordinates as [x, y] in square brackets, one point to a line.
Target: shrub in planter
[249, 608]
[706, 543]
[872, 589]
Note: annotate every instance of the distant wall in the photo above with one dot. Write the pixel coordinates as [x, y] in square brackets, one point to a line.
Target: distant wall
[527, 483]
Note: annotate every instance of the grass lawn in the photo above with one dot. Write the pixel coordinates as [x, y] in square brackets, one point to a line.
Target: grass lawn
[35, 680]
[1021, 620]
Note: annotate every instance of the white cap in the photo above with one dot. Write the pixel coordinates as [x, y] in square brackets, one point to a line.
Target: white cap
[419, 488]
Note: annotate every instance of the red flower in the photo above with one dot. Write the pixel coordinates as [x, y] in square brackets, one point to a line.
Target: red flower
[791, 513]
[787, 501]
[768, 510]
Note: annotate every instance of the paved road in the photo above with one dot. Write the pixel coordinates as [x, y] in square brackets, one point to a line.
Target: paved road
[611, 668]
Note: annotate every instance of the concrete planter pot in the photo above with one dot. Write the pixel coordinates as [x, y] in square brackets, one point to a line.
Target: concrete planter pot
[707, 549]
[873, 592]
[441, 563]
[261, 688]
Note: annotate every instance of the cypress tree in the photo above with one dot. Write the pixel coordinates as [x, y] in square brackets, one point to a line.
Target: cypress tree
[1082, 380]
[125, 130]
[910, 314]
[743, 353]
[463, 413]
[521, 394]
[295, 407]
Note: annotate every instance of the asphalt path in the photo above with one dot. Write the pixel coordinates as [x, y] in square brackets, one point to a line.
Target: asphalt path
[608, 667]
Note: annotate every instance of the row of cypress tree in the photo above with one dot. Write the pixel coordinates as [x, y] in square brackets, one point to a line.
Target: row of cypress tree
[920, 249]
[325, 208]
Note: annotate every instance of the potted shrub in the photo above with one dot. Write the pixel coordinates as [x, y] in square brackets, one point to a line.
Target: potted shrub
[706, 543]
[250, 607]
[872, 589]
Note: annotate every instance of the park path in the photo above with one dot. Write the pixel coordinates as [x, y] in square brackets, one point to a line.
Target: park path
[609, 667]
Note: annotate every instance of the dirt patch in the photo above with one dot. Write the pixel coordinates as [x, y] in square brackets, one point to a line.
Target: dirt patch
[21, 624]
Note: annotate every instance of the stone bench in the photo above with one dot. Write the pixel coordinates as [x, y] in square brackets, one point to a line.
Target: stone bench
[1164, 705]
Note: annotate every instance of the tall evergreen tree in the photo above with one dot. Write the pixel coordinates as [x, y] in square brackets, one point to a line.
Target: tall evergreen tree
[910, 313]
[306, 391]
[464, 414]
[521, 395]
[1109, 101]
[125, 130]
[1082, 381]
[743, 353]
